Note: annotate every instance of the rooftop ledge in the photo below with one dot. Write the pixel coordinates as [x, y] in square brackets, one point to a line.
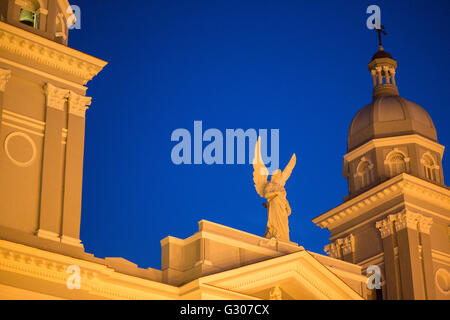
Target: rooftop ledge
[235, 237]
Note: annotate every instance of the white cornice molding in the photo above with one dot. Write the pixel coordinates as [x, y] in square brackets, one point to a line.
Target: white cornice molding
[401, 184]
[5, 75]
[43, 52]
[96, 279]
[394, 141]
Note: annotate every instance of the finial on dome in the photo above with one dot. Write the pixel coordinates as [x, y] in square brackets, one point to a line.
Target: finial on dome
[382, 68]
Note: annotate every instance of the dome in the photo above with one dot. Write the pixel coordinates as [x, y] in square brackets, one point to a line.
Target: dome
[381, 54]
[389, 116]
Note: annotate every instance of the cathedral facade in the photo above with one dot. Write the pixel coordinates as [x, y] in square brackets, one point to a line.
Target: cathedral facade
[396, 215]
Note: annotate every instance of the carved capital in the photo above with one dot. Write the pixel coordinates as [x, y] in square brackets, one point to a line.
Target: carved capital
[385, 227]
[348, 244]
[425, 224]
[5, 75]
[332, 250]
[78, 104]
[406, 219]
[56, 97]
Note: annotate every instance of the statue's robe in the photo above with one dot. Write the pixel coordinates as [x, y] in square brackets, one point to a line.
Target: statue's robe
[278, 211]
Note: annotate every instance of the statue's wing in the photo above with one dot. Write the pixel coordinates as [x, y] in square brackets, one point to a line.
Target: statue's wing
[260, 172]
[288, 170]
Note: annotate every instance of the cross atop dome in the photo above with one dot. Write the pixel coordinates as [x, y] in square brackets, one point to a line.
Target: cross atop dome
[380, 31]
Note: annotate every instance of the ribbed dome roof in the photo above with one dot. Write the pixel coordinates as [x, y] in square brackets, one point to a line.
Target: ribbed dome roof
[389, 116]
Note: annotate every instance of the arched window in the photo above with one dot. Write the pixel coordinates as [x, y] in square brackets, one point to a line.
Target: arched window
[363, 175]
[430, 167]
[397, 163]
[29, 14]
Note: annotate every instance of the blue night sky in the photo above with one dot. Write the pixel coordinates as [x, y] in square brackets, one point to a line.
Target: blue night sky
[297, 66]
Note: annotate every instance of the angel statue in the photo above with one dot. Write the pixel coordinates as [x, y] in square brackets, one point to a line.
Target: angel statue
[278, 209]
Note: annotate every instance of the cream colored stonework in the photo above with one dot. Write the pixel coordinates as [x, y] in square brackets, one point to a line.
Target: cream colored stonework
[398, 222]
[243, 269]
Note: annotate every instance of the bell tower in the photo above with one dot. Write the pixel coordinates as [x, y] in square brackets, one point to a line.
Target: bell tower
[43, 104]
[47, 18]
[397, 213]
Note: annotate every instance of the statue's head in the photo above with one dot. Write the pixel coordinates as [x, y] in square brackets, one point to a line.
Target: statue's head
[277, 177]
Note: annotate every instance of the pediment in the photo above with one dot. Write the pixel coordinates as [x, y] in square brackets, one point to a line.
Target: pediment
[299, 276]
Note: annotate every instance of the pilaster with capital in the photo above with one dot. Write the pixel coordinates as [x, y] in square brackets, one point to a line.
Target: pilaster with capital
[78, 104]
[56, 97]
[52, 167]
[386, 228]
[410, 266]
[425, 224]
[73, 179]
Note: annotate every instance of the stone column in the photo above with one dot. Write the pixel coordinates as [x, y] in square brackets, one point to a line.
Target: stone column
[425, 225]
[374, 77]
[387, 75]
[73, 178]
[52, 167]
[380, 77]
[391, 272]
[392, 72]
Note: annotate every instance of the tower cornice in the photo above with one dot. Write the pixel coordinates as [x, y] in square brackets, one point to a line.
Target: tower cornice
[38, 52]
[403, 184]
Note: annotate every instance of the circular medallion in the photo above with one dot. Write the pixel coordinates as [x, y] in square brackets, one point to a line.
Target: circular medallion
[442, 280]
[20, 149]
